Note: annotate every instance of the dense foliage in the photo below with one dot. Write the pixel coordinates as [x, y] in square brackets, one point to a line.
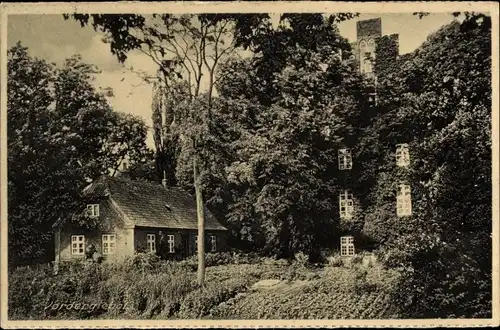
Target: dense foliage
[61, 133]
[438, 100]
[337, 293]
[144, 287]
[267, 147]
[253, 186]
[274, 176]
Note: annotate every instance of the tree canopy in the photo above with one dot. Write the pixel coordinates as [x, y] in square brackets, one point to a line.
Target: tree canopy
[266, 135]
[438, 100]
[61, 134]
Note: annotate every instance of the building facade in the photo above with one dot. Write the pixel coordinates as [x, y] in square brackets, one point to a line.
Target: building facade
[130, 216]
[369, 43]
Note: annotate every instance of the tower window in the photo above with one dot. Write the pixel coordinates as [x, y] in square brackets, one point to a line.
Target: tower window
[367, 66]
[362, 46]
[345, 159]
[346, 205]
[371, 43]
[404, 200]
[347, 246]
[402, 155]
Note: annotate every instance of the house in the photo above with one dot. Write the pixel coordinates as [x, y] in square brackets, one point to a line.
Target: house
[136, 216]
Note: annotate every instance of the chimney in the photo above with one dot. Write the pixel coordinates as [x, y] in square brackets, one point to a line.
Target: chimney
[164, 181]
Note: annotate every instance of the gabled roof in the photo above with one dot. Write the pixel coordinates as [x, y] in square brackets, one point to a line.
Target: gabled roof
[147, 204]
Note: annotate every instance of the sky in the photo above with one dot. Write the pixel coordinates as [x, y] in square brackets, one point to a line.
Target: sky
[54, 39]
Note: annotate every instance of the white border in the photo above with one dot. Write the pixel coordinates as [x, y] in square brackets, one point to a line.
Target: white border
[246, 7]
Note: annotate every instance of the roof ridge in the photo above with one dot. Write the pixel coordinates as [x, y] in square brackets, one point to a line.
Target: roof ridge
[145, 203]
[147, 182]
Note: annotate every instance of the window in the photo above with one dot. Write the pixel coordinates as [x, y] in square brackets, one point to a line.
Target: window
[213, 243]
[346, 205]
[404, 200]
[345, 159]
[347, 246]
[402, 155]
[151, 242]
[93, 210]
[362, 46]
[108, 244]
[371, 43]
[77, 245]
[368, 66]
[171, 243]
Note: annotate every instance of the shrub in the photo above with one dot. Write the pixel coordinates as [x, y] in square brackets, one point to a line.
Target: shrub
[219, 258]
[142, 261]
[301, 259]
[357, 259]
[225, 258]
[341, 293]
[198, 303]
[140, 286]
[335, 261]
[27, 287]
[146, 294]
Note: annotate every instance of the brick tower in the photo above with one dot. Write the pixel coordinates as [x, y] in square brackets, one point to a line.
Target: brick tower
[368, 38]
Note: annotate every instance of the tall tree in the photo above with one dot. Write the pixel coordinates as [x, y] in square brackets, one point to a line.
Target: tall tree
[61, 134]
[31, 150]
[185, 47]
[282, 175]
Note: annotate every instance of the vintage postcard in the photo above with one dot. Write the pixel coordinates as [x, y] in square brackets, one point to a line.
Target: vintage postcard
[249, 164]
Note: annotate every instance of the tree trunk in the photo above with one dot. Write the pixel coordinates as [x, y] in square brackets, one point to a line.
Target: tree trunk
[201, 222]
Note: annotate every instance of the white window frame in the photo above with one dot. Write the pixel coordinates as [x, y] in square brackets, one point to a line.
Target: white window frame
[347, 246]
[345, 159]
[403, 201]
[151, 242]
[108, 244]
[402, 155]
[346, 205]
[171, 243]
[93, 210]
[213, 243]
[368, 65]
[78, 245]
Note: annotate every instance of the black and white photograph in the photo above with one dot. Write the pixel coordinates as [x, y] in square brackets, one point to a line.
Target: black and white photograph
[239, 163]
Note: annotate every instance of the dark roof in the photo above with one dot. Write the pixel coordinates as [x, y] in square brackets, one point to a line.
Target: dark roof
[147, 204]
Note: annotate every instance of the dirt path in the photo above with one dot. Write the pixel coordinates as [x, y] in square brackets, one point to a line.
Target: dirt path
[278, 286]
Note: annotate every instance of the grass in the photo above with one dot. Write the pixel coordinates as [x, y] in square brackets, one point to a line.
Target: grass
[146, 288]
